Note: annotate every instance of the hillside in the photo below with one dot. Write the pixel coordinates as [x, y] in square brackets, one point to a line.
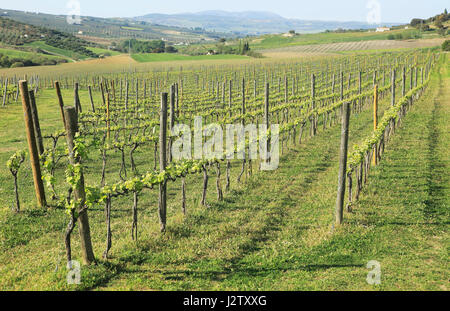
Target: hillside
[96, 28]
[248, 23]
[18, 34]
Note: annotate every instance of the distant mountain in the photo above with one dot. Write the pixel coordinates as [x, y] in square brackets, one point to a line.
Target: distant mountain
[248, 23]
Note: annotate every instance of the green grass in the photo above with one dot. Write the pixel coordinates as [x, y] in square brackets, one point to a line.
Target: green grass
[272, 232]
[164, 57]
[57, 51]
[24, 54]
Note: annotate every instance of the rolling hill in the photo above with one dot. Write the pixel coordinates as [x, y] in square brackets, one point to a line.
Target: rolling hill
[96, 28]
[18, 34]
[248, 23]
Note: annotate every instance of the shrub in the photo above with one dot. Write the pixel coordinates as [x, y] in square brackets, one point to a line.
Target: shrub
[416, 22]
[254, 54]
[446, 46]
[171, 49]
[17, 65]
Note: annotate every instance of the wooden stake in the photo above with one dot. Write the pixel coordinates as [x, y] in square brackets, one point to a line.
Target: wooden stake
[31, 138]
[375, 120]
[163, 162]
[5, 92]
[37, 127]
[172, 118]
[70, 115]
[342, 164]
[91, 98]
[77, 99]
[108, 117]
[60, 101]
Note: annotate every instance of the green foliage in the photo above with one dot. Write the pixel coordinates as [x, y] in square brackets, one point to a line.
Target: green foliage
[138, 46]
[16, 62]
[446, 46]
[15, 161]
[416, 22]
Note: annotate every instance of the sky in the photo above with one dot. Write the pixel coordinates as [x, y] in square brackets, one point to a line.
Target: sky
[333, 10]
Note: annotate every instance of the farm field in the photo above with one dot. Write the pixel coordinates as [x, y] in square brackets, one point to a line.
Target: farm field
[357, 46]
[278, 41]
[235, 227]
[24, 54]
[164, 57]
[57, 51]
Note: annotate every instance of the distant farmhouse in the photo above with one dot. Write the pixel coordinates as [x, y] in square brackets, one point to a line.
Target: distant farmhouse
[383, 29]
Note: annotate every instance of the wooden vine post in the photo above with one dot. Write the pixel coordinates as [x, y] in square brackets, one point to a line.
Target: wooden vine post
[266, 119]
[313, 104]
[31, 138]
[230, 100]
[77, 99]
[244, 161]
[342, 164]
[60, 101]
[163, 162]
[36, 125]
[375, 120]
[91, 98]
[108, 117]
[393, 88]
[403, 82]
[5, 92]
[79, 193]
[172, 118]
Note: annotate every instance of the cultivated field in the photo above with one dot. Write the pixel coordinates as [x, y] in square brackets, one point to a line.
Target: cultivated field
[374, 45]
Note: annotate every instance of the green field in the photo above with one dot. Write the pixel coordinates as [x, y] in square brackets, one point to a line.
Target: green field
[25, 54]
[167, 57]
[57, 51]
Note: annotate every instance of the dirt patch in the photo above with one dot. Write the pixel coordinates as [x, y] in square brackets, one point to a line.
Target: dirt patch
[122, 59]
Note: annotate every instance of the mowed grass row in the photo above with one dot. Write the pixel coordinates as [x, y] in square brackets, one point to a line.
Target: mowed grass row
[407, 204]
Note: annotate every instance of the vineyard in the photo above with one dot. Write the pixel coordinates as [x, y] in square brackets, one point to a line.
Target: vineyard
[357, 46]
[103, 158]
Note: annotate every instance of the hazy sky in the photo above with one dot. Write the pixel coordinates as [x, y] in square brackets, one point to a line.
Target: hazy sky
[338, 10]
